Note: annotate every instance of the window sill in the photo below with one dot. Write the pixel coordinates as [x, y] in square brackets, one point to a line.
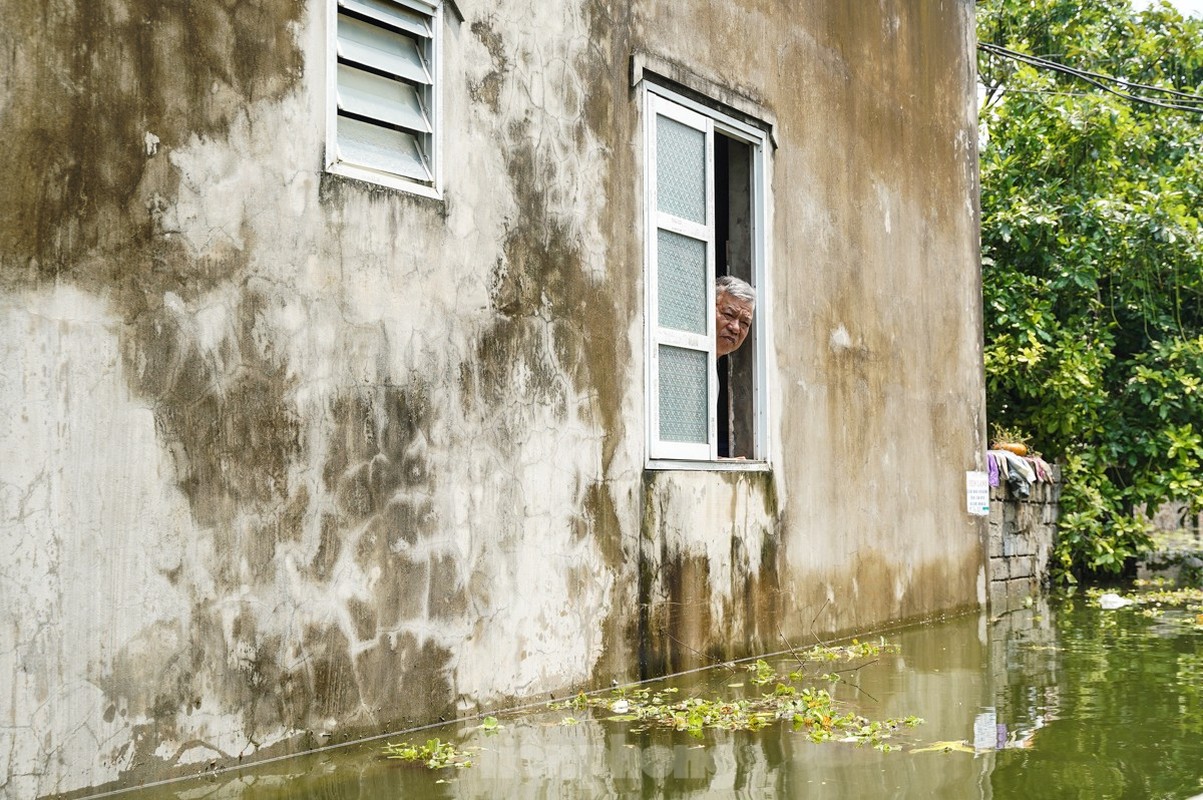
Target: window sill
[382, 180]
[725, 465]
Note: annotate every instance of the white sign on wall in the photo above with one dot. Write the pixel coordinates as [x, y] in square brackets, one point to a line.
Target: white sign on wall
[977, 493]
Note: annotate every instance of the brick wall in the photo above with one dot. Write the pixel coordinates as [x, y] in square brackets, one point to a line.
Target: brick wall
[1022, 532]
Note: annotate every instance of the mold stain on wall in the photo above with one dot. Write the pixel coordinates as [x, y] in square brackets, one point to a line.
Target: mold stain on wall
[91, 87]
[97, 95]
[554, 349]
[96, 90]
[709, 586]
[559, 313]
[224, 410]
[382, 472]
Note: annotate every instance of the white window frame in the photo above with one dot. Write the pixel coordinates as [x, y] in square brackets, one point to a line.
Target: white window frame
[662, 454]
[427, 132]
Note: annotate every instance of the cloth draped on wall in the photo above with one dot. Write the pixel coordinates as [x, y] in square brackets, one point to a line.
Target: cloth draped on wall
[1020, 472]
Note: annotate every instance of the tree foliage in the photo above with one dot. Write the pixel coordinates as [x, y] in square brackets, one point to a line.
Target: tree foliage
[1093, 261]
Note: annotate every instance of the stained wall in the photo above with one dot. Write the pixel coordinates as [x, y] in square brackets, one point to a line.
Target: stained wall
[291, 458]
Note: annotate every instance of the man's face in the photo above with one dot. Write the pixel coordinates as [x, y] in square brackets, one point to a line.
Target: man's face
[733, 320]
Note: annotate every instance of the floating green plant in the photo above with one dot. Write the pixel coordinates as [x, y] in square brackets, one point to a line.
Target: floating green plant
[809, 710]
[435, 754]
[1189, 598]
[1154, 599]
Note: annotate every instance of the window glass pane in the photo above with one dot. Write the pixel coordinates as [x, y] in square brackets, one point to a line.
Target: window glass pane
[681, 282]
[684, 395]
[680, 170]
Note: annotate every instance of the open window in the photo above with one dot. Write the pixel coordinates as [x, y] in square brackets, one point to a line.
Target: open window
[383, 116]
[705, 218]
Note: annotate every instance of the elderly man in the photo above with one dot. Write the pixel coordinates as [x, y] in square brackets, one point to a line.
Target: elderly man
[734, 302]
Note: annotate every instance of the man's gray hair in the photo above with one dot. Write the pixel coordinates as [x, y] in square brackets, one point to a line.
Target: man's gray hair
[737, 288]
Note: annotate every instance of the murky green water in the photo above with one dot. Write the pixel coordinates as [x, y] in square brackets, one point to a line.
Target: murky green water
[1065, 701]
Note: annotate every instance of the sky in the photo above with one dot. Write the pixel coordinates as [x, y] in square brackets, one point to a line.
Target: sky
[1190, 8]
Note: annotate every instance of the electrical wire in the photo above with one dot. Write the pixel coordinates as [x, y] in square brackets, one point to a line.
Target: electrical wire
[1121, 81]
[1185, 100]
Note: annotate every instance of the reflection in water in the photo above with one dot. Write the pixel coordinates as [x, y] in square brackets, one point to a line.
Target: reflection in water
[1068, 701]
[1125, 709]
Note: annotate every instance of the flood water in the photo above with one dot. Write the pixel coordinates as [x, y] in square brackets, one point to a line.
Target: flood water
[1059, 700]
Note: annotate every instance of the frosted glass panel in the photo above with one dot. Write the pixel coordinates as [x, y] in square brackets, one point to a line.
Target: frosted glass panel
[684, 395]
[680, 170]
[681, 285]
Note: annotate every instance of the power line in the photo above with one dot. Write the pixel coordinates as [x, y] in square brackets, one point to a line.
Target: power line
[1186, 100]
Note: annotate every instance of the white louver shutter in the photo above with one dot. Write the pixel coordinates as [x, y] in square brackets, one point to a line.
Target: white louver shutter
[384, 87]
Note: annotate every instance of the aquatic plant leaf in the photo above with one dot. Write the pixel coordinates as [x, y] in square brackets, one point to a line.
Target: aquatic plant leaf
[945, 747]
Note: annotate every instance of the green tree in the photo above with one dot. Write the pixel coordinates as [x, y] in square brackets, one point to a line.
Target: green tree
[1093, 259]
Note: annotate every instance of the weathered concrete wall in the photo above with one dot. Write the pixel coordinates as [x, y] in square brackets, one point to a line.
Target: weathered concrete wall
[290, 455]
[1022, 532]
[876, 344]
